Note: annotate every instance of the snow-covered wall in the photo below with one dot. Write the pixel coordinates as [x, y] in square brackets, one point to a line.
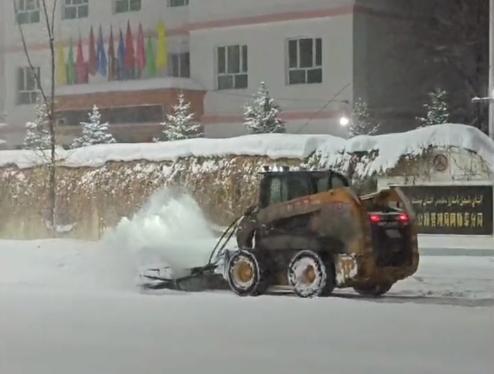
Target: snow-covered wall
[97, 186]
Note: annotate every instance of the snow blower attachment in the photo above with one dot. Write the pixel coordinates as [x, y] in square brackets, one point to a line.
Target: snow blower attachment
[310, 233]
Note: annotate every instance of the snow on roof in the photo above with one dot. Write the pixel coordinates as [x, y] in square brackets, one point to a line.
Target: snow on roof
[390, 148]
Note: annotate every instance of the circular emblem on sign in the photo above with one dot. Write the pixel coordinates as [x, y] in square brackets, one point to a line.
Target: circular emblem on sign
[440, 163]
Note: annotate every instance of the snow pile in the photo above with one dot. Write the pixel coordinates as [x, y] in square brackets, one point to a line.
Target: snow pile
[23, 159]
[170, 230]
[388, 149]
[383, 152]
[275, 146]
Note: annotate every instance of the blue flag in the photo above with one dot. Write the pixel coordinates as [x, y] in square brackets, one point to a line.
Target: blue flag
[102, 61]
[122, 72]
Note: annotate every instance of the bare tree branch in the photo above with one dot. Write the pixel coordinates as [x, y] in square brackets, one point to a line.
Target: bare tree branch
[49, 103]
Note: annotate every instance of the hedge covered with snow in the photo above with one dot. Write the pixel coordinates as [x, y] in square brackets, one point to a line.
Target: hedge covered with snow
[381, 152]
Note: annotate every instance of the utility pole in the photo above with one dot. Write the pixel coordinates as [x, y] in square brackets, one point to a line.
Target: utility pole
[491, 69]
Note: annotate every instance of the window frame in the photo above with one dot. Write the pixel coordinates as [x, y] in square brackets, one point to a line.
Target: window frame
[24, 15]
[128, 6]
[177, 3]
[239, 79]
[69, 4]
[315, 67]
[182, 64]
[25, 91]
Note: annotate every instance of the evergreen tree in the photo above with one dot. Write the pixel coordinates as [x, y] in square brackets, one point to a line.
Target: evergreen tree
[362, 121]
[436, 111]
[262, 114]
[1, 140]
[180, 124]
[37, 135]
[94, 132]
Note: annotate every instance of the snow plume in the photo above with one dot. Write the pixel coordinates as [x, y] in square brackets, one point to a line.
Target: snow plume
[169, 230]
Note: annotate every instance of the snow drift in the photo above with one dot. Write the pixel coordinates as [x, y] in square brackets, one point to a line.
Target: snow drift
[332, 150]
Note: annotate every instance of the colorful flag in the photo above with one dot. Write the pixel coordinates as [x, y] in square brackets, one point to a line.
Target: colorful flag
[60, 66]
[162, 50]
[102, 64]
[130, 60]
[141, 51]
[71, 77]
[150, 59]
[112, 61]
[121, 71]
[81, 66]
[93, 60]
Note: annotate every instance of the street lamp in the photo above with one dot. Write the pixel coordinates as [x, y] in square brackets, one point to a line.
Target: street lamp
[344, 121]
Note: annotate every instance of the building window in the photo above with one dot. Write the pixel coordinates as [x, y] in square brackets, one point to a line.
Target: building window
[180, 65]
[232, 67]
[27, 11]
[27, 87]
[73, 9]
[175, 3]
[305, 61]
[123, 6]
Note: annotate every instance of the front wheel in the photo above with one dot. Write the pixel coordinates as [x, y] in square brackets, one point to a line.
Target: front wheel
[310, 275]
[373, 290]
[246, 276]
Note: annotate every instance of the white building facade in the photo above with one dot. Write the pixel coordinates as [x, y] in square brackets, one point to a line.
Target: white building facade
[217, 53]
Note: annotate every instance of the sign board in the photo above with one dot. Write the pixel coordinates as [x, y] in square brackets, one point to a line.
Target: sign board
[452, 210]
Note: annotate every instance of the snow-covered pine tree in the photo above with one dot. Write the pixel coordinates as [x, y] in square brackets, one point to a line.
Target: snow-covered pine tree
[180, 124]
[362, 121]
[37, 135]
[1, 140]
[436, 111]
[262, 114]
[94, 132]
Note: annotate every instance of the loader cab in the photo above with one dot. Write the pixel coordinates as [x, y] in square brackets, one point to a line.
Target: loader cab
[280, 186]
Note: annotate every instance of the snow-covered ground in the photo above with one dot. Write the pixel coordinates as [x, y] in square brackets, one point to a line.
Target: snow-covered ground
[72, 307]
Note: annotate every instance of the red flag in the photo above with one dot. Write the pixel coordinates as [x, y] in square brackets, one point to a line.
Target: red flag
[111, 57]
[141, 50]
[129, 52]
[92, 62]
[81, 66]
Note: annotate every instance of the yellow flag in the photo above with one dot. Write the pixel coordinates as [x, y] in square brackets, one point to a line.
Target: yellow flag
[60, 66]
[162, 49]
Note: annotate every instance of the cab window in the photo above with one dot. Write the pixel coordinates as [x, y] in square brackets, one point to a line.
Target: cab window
[337, 181]
[298, 186]
[277, 191]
